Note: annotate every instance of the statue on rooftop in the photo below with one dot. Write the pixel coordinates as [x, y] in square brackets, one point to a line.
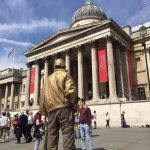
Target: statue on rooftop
[88, 2]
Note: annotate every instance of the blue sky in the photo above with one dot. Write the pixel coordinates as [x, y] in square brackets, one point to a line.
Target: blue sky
[24, 23]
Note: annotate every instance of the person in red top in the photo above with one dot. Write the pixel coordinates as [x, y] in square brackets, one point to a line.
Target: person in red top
[37, 133]
[85, 125]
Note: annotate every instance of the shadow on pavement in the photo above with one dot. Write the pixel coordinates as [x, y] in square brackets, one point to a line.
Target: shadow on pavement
[95, 135]
[100, 149]
[94, 149]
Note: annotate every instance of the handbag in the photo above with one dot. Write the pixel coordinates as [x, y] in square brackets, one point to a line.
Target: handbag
[39, 131]
[42, 130]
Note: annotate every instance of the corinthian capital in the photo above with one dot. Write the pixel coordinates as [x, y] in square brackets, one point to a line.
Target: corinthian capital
[109, 38]
[28, 64]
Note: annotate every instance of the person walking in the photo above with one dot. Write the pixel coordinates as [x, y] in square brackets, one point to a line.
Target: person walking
[38, 126]
[58, 102]
[22, 127]
[94, 117]
[107, 120]
[8, 125]
[123, 121]
[3, 126]
[76, 129]
[85, 125]
[15, 123]
[29, 126]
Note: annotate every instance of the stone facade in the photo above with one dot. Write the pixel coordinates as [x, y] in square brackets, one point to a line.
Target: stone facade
[12, 87]
[90, 32]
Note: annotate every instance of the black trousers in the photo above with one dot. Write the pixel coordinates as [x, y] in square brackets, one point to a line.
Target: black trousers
[21, 130]
[107, 123]
[28, 132]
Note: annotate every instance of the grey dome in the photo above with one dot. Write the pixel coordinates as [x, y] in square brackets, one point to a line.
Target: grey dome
[88, 12]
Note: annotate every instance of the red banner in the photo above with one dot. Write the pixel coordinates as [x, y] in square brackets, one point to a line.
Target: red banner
[32, 80]
[102, 64]
[131, 75]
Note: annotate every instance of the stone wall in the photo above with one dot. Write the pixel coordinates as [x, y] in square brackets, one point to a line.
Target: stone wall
[136, 113]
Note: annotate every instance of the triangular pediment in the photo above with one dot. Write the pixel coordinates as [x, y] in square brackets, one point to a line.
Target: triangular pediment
[60, 36]
[72, 35]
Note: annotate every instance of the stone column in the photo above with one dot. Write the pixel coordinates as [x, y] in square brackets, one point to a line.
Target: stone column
[37, 82]
[95, 82]
[147, 73]
[46, 66]
[0, 92]
[148, 60]
[0, 99]
[119, 67]
[85, 77]
[111, 69]
[128, 77]
[67, 61]
[6, 96]
[28, 84]
[80, 74]
[12, 95]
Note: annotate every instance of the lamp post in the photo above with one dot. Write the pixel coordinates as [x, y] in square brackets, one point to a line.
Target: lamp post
[143, 32]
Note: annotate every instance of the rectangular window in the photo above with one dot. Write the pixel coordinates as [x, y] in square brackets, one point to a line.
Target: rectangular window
[141, 93]
[23, 88]
[137, 59]
[16, 106]
[7, 106]
[16, 90]
[22, 104]
[2, 106]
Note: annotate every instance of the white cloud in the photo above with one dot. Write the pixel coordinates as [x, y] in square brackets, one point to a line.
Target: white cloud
[17, 43]
[5, 62]
[16, 3]
[17, 10]
[33, 25]
[142, 16]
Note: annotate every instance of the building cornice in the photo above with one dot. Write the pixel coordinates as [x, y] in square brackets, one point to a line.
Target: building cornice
[101, 30]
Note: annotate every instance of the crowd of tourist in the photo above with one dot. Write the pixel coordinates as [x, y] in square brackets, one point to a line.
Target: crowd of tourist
[28, 126]
[22, 124]
[59, 110]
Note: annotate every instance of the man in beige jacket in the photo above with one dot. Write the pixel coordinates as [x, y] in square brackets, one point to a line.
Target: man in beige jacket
[58, 102]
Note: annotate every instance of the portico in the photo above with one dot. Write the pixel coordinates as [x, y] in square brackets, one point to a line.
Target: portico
[105, 60]
[80, 50]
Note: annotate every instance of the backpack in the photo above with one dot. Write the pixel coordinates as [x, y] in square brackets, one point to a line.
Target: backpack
[15, 122]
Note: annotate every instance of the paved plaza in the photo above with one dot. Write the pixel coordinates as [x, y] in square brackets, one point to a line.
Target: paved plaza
[103, 139]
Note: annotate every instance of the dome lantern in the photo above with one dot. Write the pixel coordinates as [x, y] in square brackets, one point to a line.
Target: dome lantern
[88, 14]
[88, 2]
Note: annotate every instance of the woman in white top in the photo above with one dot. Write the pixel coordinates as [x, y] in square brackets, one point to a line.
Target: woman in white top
[8, 125]
[29, 126]
[3, 126]
[107, 119]
[94, 117]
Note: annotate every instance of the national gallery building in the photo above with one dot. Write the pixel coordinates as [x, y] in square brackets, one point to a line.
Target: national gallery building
[109, 64]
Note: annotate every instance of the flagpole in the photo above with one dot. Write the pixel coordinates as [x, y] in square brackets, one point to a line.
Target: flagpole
[13, 58]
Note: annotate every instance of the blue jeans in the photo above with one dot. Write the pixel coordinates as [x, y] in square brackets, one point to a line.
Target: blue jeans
[37, 143]
[86, 131]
